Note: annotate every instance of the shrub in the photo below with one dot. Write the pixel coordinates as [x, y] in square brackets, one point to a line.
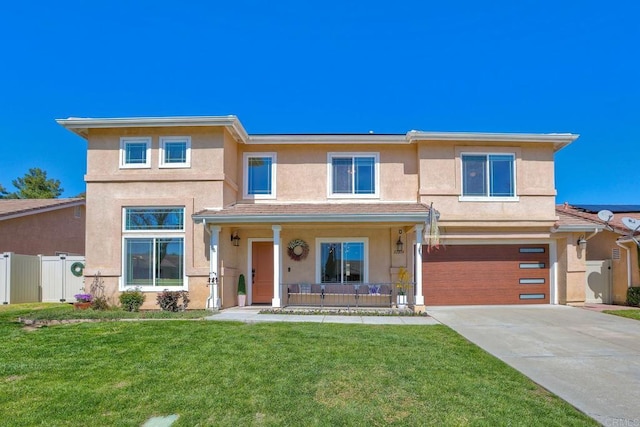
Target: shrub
[170, 300]
[132, 299]
[633, 296]
[100, 303]
[242, 286]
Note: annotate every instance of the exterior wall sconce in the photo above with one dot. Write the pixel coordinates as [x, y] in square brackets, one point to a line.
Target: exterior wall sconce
[582, 242]
[399, 244]
[235, 238]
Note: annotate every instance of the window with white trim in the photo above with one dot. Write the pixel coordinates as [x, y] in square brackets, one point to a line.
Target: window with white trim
[259, 175]
[488, 176]
[135, 152]
[353, 175]
[175, 152]
[153, 248]
[342, 261]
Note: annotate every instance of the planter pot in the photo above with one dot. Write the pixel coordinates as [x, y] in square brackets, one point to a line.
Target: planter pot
[401, 301]
[81, 305]
[242, 300]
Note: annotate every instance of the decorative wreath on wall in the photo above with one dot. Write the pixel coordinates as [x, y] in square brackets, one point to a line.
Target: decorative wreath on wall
[297, 249]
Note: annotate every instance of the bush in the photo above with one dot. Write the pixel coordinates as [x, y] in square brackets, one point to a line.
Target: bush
[132, 299]
[242, 286]
[633, 296]
[170, 300]
[100, 303]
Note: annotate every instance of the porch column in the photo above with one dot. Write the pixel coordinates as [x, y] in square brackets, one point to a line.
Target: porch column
[418, 266]
[277, 261]
[214, 250]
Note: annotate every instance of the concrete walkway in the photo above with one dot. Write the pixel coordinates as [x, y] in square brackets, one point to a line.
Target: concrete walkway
[252, 315]
[589, 359]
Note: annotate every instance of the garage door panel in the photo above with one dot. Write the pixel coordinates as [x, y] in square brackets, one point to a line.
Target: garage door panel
[487, 274]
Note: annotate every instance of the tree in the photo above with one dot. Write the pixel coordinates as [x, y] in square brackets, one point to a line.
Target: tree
[35, 185]
[3, 192]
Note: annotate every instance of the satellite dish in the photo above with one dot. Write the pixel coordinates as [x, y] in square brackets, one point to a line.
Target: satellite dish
[631, 223]
[605, 215]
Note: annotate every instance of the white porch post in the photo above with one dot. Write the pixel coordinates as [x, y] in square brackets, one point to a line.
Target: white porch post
[276, 302]
[214, 250]
[418, 266]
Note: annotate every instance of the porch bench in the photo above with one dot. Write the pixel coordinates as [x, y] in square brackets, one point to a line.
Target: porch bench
[338, 295]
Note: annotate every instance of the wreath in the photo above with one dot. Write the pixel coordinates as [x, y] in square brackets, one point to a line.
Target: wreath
[77, 268]
[297, 249]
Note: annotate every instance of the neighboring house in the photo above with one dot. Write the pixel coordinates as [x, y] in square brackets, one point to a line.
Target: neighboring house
[189, 202]
[611, 251]
[42, 226]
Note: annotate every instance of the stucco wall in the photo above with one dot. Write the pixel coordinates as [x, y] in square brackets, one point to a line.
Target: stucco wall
[441, 183]
[301, 171]
[45, 233]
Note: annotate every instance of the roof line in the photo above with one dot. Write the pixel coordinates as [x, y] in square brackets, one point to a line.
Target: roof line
[33, 211]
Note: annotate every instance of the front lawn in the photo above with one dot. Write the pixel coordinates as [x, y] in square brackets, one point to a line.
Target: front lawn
[220, 373]
[631, 314]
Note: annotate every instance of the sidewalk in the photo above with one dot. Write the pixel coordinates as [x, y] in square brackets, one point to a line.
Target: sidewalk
[252, 315]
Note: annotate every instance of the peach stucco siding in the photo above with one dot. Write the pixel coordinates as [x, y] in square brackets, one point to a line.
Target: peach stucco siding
[45, 233]
[411, 171]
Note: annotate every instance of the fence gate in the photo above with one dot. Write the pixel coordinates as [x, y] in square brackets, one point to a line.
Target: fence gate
[19, 278]
[61, 277]
[598, 282]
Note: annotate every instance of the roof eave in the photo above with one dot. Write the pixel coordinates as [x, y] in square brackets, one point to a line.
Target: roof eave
[35, 211]
[577, 228]
[288, 219]
[559, 140]
[81, 125]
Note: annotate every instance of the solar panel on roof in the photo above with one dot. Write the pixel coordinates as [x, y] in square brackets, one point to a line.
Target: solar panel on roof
[612, 208]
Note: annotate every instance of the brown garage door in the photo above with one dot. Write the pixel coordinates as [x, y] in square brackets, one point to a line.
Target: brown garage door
[486, 274]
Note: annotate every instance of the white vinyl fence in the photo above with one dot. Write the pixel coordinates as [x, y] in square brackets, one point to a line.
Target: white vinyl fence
[36, 278]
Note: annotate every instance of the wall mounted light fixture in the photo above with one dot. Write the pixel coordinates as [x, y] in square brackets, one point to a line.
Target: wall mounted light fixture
[399, 244]
[235, 238]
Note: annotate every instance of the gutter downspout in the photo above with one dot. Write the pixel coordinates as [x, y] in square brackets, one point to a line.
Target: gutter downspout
[628, 262]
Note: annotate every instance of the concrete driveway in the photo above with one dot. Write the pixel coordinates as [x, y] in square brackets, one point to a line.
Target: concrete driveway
[590, 359]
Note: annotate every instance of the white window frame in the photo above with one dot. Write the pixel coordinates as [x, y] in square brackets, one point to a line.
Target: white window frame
[365, 265]
[376, 171]
[488, 198]
[123, 152]
[245, 175]
[168, 139]
[152, 234]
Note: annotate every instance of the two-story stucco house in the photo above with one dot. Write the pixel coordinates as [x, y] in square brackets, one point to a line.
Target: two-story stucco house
[333, 219]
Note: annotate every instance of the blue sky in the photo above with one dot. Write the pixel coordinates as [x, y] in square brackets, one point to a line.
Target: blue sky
[330, 66]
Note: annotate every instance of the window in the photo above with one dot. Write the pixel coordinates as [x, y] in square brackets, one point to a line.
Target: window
[342, 261]
[353, 174]
[488, 175]
[175, 152]
[259, 175]
[153, 255]
[135, 152]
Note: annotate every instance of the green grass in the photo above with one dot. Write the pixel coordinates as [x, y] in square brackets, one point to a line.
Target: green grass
[272, 374]
[630, 314]
[53, 311]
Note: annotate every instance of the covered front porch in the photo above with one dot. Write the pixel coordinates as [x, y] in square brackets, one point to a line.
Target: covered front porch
[320, 255]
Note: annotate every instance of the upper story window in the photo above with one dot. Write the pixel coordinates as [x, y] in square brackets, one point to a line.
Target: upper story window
[259, 170]
[175, 152]
[153, 248]
[353, 175]
[488, 176]
[135, 152]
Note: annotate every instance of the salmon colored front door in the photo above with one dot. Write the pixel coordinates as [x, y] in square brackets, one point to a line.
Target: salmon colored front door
[262, 272]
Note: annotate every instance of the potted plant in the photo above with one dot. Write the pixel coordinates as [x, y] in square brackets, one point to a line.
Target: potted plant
[242, 291]
[83, 301]
[403, 285]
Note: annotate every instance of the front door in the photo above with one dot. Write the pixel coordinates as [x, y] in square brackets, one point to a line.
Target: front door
[262, 272]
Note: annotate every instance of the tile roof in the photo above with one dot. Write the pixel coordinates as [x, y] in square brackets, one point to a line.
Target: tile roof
[330, 212]
[568, 213]
[20, 207]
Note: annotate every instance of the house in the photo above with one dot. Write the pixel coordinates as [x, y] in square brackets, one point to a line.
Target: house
[611, 253]
[42, 226]
[333, 219]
